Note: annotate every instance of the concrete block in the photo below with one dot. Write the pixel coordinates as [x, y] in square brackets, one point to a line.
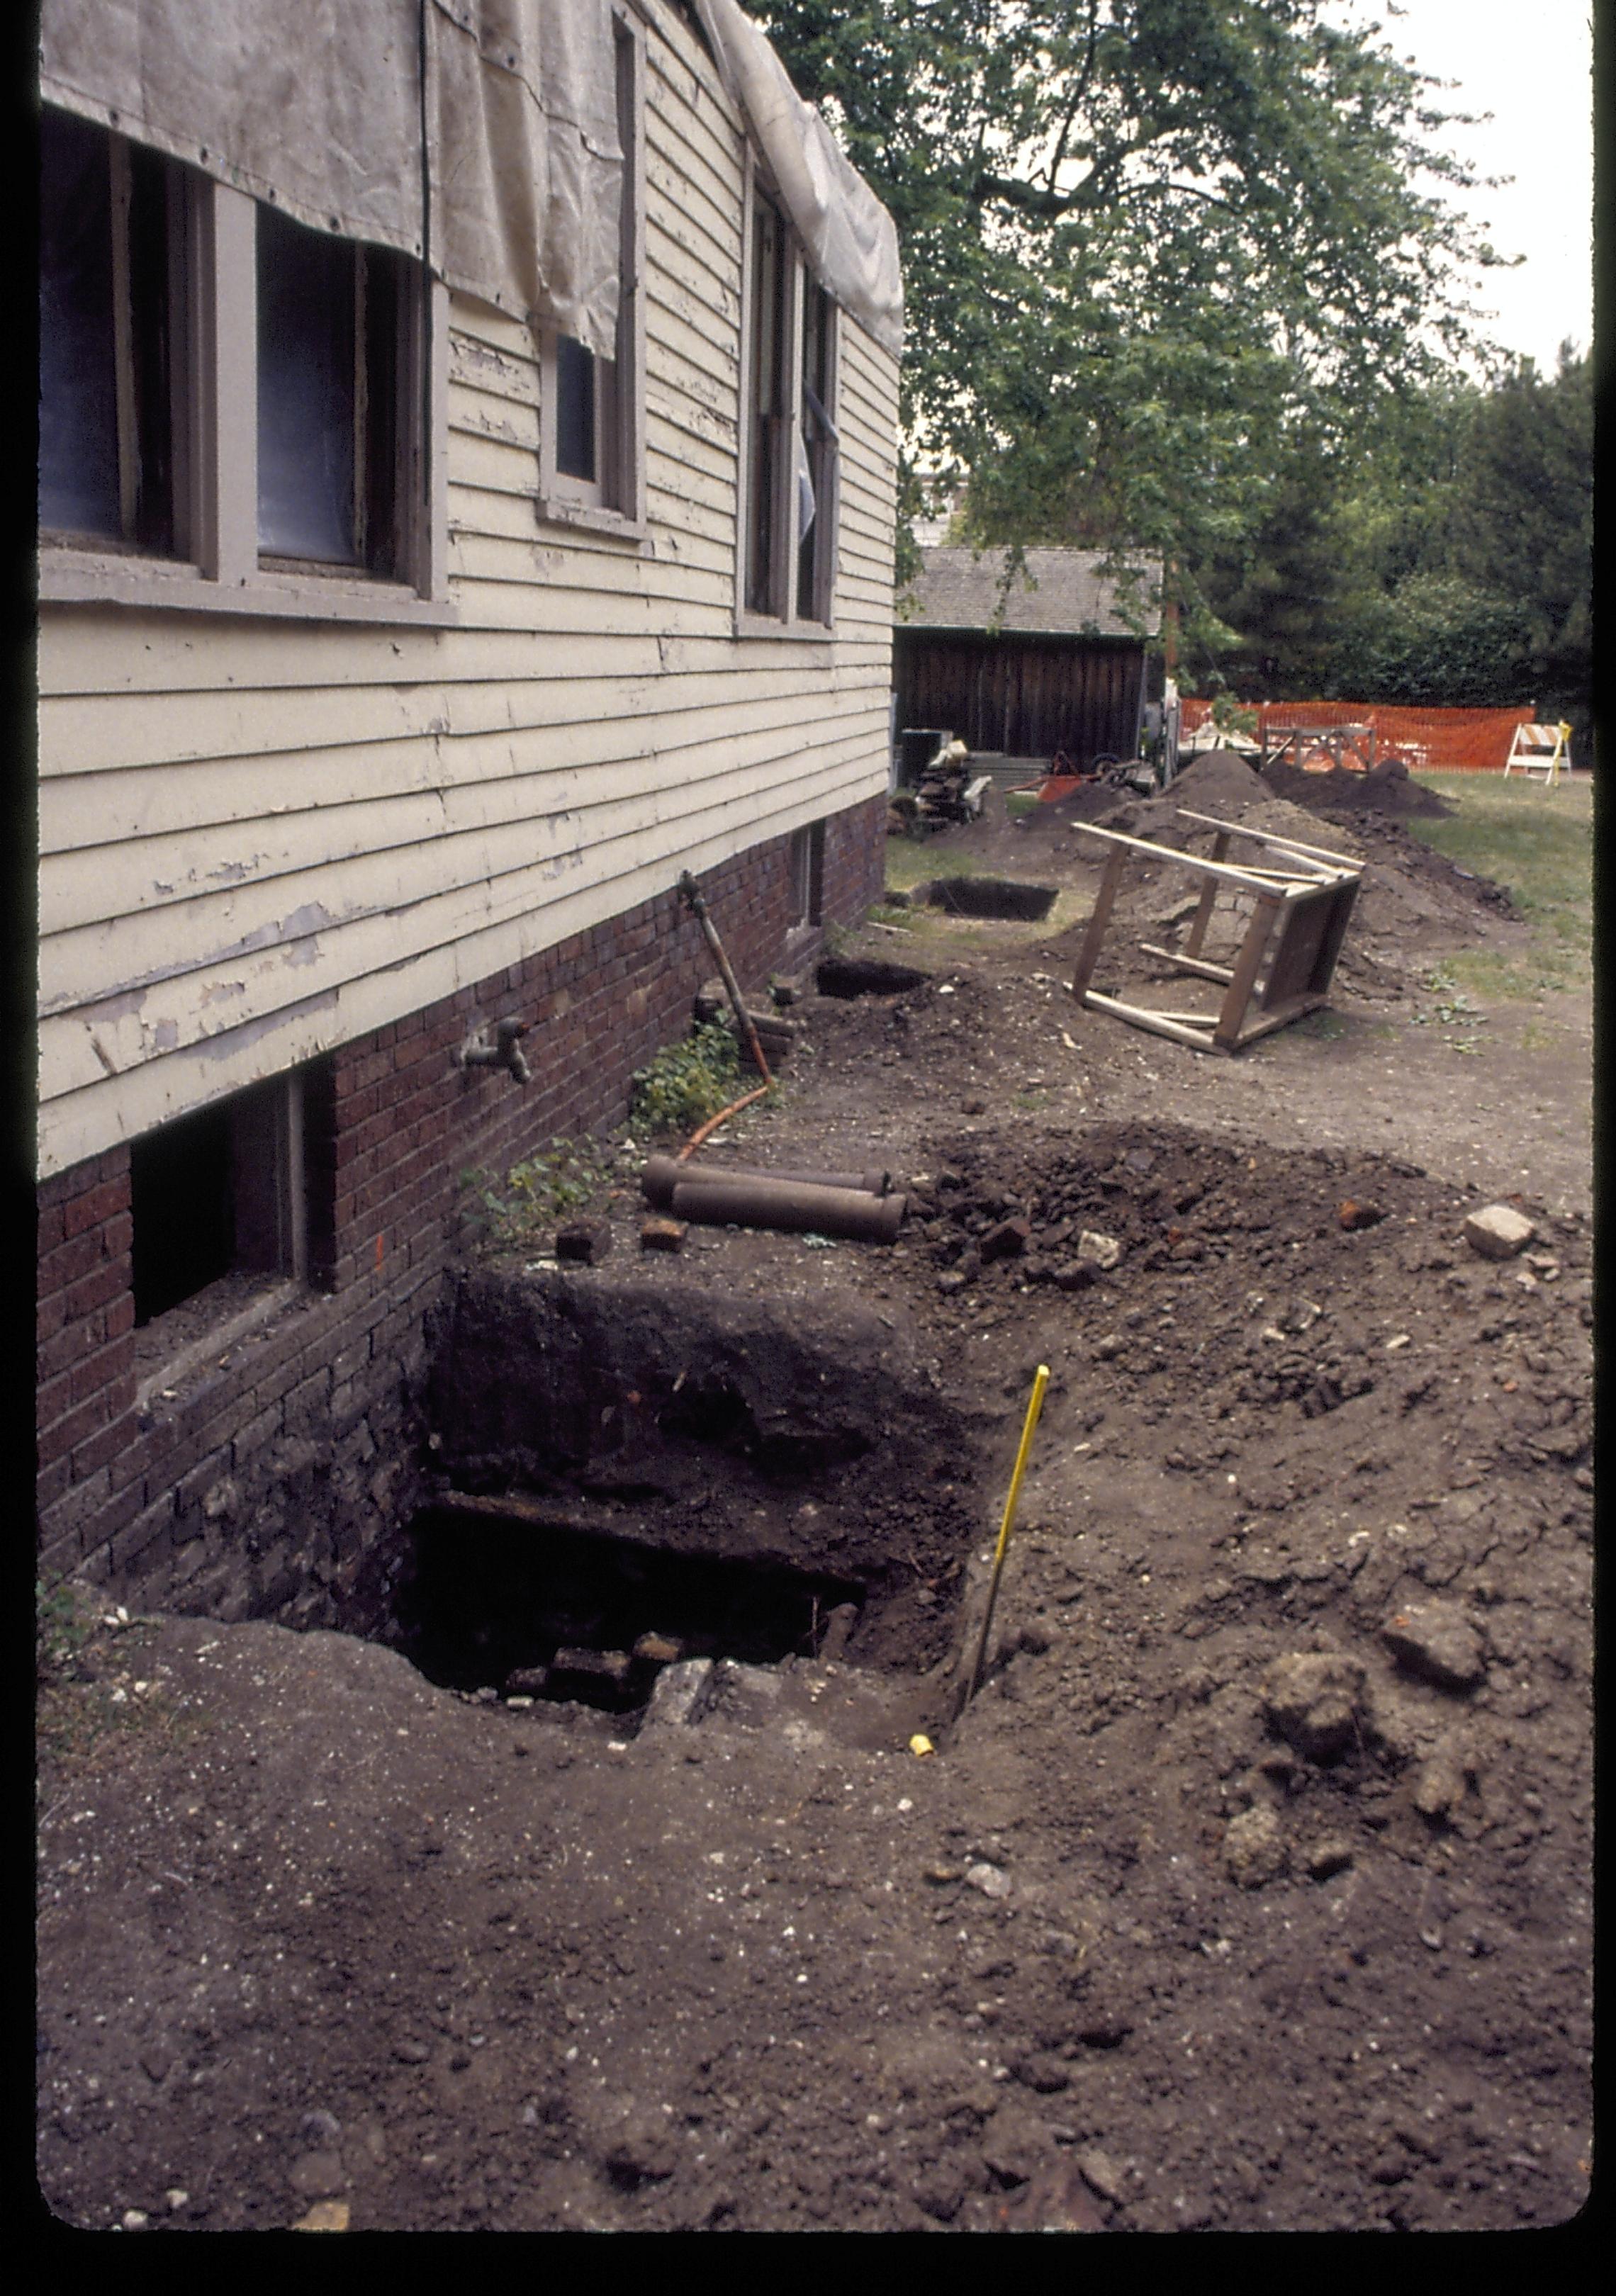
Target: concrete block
[1498, 1232]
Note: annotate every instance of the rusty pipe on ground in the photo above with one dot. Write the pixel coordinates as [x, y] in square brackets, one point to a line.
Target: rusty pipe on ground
[691, 894]
[662, 1174]
[794, 1208]
[722, 1117]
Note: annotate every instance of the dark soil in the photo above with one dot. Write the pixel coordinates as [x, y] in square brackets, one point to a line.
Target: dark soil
[1252, 1891]
[1385, 791]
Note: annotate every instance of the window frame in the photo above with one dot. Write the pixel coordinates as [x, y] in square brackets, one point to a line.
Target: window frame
[564, 500]
[787, 538]
[215, 455]
[268, 1185]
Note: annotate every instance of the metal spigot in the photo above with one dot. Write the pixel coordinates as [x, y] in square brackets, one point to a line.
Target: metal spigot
[504, 1053]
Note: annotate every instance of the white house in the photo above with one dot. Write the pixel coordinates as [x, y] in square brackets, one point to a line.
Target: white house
[467, 449]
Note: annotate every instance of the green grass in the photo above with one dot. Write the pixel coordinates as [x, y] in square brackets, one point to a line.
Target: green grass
[914, 861]
[1539, 843]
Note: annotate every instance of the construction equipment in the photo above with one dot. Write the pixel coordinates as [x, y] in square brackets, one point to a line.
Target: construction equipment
[1303, 897]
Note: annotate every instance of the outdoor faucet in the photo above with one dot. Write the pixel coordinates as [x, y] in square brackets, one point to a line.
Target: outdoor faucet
[504, 1053]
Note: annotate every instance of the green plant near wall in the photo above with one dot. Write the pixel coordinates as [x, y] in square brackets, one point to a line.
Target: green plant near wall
[687, 1082]
[513, 1213]
[64, 1619]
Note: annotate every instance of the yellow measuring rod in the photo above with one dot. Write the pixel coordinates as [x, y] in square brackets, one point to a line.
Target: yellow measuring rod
[1035, 1404]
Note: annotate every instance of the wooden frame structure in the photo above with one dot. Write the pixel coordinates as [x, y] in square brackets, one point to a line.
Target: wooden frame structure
[1349, 749]
[1539, 749]
[1286, 960]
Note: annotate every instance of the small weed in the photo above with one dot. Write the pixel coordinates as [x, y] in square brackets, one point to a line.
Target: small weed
[687, 1082]
[1326, 1026]
[65, 1617]
[513, 1214]
[1452, 1010]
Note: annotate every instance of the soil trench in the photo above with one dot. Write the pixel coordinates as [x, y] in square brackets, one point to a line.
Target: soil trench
[641, 1867]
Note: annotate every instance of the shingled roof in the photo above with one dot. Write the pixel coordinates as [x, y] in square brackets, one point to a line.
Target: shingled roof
[957, 590]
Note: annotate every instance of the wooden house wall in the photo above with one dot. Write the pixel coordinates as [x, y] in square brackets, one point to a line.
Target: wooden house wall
[262, 838]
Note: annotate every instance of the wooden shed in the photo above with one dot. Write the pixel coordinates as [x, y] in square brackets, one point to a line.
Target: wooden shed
[1050, 657]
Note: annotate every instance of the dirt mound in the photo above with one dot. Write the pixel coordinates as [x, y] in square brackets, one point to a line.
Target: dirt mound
[1218, 782]
[1390, 789]
[373, 1953]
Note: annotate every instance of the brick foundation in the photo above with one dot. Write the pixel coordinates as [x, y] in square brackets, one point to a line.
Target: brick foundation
[263, 1483]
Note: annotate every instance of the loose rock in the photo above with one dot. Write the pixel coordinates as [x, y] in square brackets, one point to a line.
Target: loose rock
[1254, 1848]
[1316, 1701]
[1497, 1232]
[1104, 1251]
[1441, 1786]
[584, 1241]
[1436, 1640]
[1101, 2171]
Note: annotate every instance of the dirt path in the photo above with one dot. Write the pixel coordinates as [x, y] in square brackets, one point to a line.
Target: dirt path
[1252, 1890]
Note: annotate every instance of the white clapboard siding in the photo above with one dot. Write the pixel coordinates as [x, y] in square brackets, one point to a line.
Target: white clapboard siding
[261, 840]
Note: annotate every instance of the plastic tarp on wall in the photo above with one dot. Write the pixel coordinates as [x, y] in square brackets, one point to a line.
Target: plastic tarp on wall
[316, 106]
[850, 240]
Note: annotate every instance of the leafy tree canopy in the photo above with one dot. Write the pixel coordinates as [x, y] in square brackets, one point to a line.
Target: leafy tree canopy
[1148, 245]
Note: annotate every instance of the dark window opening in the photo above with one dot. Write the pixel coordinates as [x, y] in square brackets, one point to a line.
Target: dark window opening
[217, 1193]
[575, 409]
[332, 365]
[112, 224]
[184, 1218]
[589, 410]
[807, 876]
[767, 412]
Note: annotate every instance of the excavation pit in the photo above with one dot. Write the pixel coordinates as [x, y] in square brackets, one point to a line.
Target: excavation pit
[556, 1613]
[1009, 897]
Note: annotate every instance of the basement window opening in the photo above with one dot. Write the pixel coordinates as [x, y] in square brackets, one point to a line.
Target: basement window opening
[219, 1218]
[806, 863]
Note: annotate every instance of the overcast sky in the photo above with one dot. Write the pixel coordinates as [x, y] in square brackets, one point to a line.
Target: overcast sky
[1529, 64]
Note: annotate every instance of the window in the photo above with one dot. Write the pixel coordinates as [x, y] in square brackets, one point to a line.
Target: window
[590, 423]
[113, 340]
[788, 524]
[218, 1199]
[331, 348]
[807, 877]
[233, 408]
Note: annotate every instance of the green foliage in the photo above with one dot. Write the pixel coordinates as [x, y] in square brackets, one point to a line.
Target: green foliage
[1146, 243]
[65, 1617]
[516, 1213]
[687, 1082]
[1440, 555]
[1230, 716]
[1437, 641]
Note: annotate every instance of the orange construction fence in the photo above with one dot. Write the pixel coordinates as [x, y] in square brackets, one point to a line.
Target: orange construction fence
[1443, 740]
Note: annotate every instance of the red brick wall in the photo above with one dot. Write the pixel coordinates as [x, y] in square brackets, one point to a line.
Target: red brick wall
[264, 1482]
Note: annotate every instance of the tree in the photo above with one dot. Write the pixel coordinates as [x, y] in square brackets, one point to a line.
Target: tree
[1146, 242]
[1521, 524]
